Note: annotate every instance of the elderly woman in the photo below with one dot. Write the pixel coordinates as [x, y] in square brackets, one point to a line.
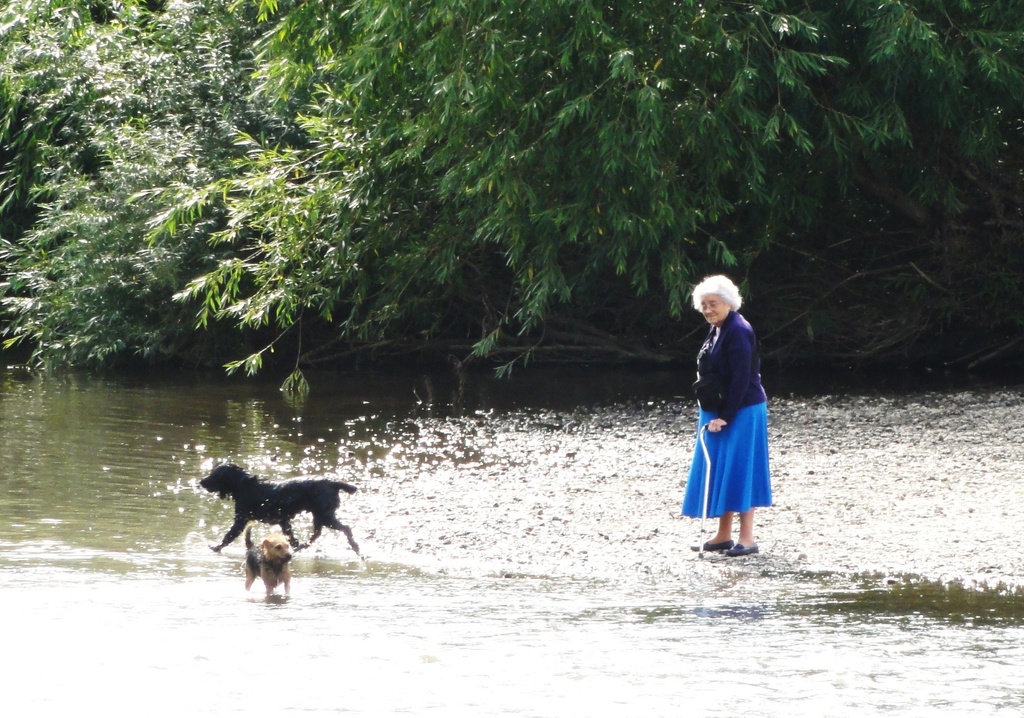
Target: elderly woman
[737, 436]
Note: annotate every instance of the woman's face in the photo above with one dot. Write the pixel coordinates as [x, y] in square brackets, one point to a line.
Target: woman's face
[714, 309]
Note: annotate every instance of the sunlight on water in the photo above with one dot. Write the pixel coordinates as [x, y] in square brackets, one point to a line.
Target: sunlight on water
[388, 640]
[542, 587]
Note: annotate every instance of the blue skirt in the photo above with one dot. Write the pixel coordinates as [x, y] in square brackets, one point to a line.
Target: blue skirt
[740, 479]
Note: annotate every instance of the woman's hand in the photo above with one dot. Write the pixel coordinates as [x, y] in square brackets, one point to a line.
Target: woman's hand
[717, 424]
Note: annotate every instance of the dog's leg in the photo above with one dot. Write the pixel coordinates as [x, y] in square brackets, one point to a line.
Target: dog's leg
[286, 529]
[333, 523]
[233, 533]
[351, 539]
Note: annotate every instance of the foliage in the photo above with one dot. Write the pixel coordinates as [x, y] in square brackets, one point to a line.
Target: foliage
[105, 110]
[491, 170]
[496, 171]
[916, 184]
[508, 180]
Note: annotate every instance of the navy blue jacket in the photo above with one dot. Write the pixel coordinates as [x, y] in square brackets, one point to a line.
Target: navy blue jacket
[733, 359]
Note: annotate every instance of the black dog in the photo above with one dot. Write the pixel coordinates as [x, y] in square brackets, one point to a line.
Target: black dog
[278, 503]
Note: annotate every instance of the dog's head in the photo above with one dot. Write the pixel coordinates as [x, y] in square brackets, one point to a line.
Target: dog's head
[224, 480]
[276, 548]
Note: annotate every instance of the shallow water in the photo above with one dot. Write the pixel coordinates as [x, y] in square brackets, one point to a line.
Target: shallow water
[555, 603]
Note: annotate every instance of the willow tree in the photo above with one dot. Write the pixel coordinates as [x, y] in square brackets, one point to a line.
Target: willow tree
[505, 178]
[543, 176]
[552, 175]
[103, 102]
[909, 244]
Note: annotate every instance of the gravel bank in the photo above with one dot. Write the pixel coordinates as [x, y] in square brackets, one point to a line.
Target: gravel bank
[925, 484]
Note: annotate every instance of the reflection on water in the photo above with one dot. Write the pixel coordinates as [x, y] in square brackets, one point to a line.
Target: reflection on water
[113, 601]
[913, 599]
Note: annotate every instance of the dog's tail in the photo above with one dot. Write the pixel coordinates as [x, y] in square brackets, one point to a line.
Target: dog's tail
[342, 486]
[248, 537]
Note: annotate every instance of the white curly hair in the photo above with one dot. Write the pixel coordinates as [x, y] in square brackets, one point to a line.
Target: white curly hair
[720, 285]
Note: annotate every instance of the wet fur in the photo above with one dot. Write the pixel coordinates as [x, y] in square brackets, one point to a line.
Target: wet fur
[268, 561]
[278, 503]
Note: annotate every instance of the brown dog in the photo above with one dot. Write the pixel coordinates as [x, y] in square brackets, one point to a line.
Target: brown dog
[269, 561]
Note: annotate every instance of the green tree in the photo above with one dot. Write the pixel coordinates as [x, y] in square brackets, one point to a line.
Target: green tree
[106, 102]
[520, 176]
[507, 180]
[910, 247]
[507, 174]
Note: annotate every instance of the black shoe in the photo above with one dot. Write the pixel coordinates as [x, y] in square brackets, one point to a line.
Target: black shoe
[741, 550]
[720, 546]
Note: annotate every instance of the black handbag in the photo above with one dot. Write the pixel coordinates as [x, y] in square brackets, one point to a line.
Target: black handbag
[710, 391]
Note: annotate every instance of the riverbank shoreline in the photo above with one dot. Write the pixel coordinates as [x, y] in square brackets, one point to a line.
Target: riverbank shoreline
[922, 485]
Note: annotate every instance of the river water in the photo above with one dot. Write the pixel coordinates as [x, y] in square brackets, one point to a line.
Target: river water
[522, 553]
